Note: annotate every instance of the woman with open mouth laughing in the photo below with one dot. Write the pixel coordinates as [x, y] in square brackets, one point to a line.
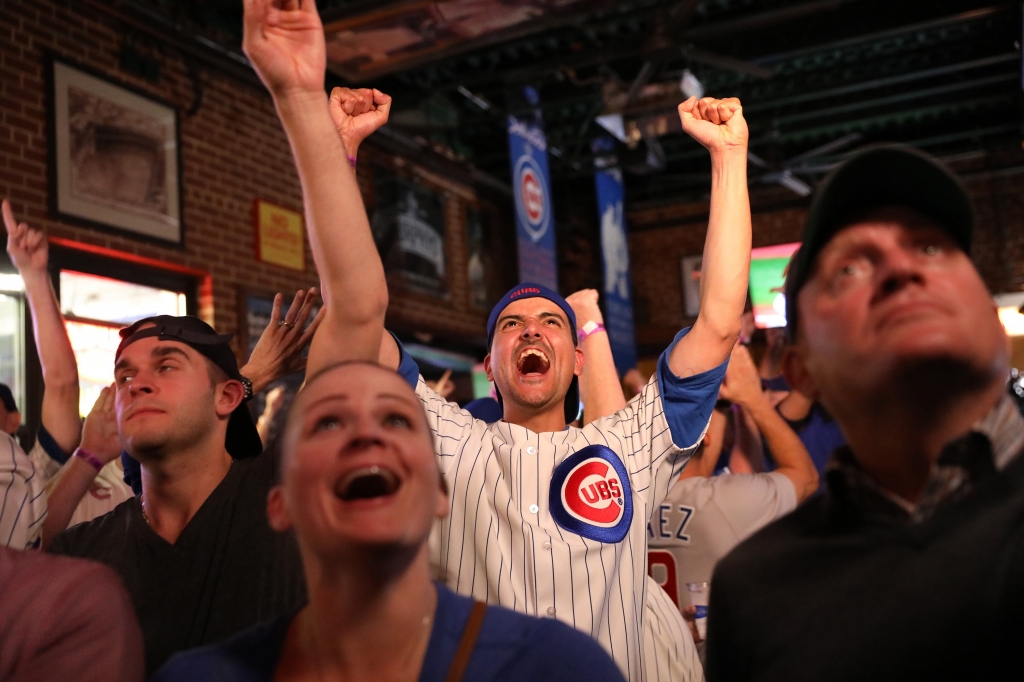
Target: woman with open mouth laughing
[360, 488]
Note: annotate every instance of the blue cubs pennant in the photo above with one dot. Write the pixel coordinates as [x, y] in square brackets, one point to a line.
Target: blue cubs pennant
[590, 495]
[531, 189]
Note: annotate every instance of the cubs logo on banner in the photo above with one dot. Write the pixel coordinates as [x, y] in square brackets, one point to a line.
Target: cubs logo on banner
[533, 203]
[590, 495]
[531, 189]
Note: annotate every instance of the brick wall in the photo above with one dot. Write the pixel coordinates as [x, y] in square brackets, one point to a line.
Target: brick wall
[661, 237]
[233, 150]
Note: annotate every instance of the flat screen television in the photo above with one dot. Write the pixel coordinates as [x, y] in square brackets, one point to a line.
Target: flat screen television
[767, 282]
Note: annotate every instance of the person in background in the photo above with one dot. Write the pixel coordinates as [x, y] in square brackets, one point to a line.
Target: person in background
[23, 500]
[818, 431]
[65, 619]
[443, 386]
[272, 406]
[61, 424]
[705, 516]
[911, 564]
[633, 382]
[360, 489]
[485, 409]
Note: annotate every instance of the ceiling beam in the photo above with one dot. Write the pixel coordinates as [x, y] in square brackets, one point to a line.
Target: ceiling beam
[758, 21]
[884, 35]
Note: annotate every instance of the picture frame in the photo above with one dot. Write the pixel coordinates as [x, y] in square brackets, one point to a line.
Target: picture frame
[115, 156]
[280, 237]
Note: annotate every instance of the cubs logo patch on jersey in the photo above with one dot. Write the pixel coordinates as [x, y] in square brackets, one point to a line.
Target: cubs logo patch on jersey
[590, 495]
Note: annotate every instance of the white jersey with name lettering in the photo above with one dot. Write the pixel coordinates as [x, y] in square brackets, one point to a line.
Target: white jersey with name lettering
[702, 519]
[555, 524]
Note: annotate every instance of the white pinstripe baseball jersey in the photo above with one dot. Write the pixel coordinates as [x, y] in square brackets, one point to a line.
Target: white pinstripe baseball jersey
[702, 519]
[22, 497]
[555, 524]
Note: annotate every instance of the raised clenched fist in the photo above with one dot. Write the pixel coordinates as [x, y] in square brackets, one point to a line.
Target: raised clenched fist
[585, 306]
[357, 114]
[718, 124]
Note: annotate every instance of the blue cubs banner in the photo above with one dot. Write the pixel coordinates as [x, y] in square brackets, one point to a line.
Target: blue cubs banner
[531, 189]
[618, 289]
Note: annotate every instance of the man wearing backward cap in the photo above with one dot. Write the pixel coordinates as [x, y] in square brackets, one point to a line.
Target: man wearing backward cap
[544, 519]
[194, 549]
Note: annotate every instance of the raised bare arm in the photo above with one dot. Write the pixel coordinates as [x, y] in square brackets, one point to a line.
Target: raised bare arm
[742, 385]
[599, 384]
[100, 439]
[30, 253]
[284, 40]
[720, 127]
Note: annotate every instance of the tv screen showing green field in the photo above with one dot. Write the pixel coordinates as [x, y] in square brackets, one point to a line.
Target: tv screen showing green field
[767, 282]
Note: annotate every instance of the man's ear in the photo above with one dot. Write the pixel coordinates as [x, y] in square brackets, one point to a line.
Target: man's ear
[487, 368]
[795, 370]
[230, 396]
[277, 514]
[578, 366]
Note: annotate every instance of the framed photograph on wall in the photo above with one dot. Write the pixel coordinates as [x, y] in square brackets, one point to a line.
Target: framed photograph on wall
[115, 156]
[408, 227]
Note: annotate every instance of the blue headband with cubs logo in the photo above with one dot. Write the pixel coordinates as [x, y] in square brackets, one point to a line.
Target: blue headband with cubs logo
[531, 290]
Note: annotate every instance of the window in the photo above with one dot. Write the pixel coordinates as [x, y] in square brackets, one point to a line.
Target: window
[12, 340]
[95, 308]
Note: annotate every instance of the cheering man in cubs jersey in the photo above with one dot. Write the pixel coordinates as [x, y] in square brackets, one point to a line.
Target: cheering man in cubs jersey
[547, 520]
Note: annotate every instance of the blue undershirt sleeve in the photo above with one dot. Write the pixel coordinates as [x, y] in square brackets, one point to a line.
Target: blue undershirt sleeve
[50, 446]
[407, 366]
[688, 401]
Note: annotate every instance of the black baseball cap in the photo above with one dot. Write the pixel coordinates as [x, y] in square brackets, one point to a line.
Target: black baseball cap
[880, 175]
[242, 440]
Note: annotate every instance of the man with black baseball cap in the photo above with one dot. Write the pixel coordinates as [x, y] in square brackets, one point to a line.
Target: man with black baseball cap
[911, 564]
[194, 549]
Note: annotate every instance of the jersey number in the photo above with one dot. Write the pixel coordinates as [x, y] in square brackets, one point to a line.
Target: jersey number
[661, 566]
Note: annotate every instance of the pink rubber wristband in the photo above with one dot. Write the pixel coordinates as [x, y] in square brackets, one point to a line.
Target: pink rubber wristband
[89, 457]
[583, 333]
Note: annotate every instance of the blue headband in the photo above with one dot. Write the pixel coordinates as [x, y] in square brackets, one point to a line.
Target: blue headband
[529, 290]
